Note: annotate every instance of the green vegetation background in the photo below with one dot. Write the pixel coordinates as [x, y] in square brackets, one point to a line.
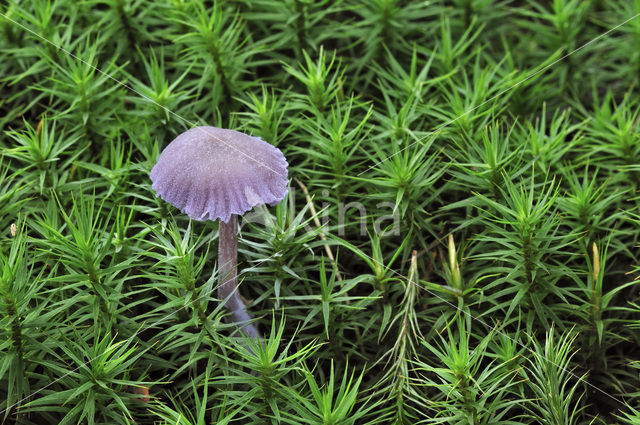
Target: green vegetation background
[505, 296]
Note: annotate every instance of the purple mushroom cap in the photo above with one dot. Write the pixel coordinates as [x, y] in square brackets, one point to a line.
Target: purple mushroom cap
[211, 173]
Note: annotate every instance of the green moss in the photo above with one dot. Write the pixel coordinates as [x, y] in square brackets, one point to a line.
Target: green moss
[459, 244]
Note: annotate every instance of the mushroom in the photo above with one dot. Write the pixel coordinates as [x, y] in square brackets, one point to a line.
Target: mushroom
[211, 173]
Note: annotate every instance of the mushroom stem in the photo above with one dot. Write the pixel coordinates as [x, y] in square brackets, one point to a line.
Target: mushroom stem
[227, 270]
